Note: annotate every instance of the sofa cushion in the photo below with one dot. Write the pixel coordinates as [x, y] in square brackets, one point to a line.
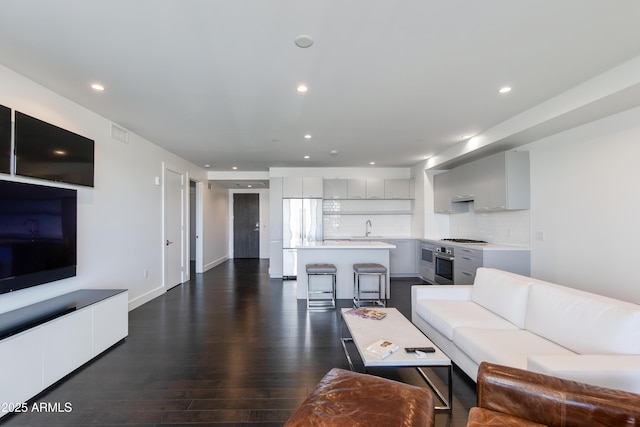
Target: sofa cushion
[583, 322]
[503, 293]
[621, 372]
[504, 347]
[445, 316]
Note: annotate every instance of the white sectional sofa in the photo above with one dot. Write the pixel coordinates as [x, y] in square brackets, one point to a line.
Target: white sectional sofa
[525, 323]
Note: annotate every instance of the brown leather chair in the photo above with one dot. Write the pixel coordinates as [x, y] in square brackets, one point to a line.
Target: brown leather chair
[515, 397]
[344, 398]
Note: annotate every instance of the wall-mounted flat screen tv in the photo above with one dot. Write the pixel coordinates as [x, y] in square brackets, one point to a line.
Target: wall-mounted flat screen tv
[48, 152]
[5, 139]
[38, 226]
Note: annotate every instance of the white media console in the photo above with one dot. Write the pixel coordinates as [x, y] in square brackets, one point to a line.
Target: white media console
[42, 343]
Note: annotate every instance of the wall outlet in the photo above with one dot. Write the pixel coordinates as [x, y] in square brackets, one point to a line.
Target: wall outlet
[146, 274]
[540, 236]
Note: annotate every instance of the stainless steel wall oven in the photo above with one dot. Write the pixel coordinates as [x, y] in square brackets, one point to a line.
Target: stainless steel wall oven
[443, 260]
[427, 262]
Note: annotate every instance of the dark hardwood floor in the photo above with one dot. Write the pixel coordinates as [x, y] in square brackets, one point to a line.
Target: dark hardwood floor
[231, 347]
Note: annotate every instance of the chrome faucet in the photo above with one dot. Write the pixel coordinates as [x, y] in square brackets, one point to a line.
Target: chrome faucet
[367, 228]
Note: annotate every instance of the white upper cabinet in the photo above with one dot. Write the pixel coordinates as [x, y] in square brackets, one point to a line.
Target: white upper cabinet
[375, 188]
[498, 182]
[291, 187]
[340, 188]
[397, 189]
[312, 187]
[463, 180]
[503, 182]
[335, 189]
[299, 187]
[442, 195]
[357, 188]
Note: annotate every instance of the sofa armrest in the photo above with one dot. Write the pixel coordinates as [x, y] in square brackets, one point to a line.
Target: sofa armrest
[620, 372]
[553, 401]
[442, 292]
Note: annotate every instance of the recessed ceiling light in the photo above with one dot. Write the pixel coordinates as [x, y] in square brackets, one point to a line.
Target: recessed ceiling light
[59, 152]
[302, 88]
[249, 186]
[505, 89]
[234, 167]
[304, 41]
[98, 87]
[307, 136]
[207, 165]
[372, 163]
[333, 152]
[306, 157]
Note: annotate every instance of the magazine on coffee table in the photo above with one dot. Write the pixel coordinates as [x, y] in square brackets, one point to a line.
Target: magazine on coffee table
[383, 348]
[367, 313]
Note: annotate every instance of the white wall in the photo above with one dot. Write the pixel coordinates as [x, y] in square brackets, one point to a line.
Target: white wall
[216, 225]
[120, 220]
[585, 199]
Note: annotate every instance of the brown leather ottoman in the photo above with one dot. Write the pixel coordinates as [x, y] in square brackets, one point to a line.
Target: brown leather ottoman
[345, 398]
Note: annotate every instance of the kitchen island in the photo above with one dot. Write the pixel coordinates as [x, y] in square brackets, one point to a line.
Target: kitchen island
[342, 254]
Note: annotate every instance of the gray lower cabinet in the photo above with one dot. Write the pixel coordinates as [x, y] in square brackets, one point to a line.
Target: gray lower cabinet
[402, 259]
[467, 261]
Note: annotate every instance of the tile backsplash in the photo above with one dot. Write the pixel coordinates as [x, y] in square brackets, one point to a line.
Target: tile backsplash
[347, 218]
[504, 227]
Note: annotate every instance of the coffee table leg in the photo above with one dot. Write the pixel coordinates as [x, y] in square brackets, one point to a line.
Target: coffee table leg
[448, 403]
[343, 341]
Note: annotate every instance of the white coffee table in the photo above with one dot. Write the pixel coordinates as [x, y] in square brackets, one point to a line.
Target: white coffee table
[399, 330]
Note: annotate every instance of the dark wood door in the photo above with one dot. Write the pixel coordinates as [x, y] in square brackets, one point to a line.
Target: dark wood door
[246, 225]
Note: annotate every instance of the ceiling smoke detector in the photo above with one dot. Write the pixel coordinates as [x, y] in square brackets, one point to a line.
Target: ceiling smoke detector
[304, 41]
[333, 152]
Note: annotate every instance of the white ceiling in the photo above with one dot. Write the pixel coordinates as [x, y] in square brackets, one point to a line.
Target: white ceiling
[390, 81]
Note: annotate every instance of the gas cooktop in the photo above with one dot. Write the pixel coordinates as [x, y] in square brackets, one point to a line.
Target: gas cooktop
[464, 241]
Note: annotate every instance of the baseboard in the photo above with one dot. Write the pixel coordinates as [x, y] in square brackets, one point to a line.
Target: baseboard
[143, 299]
[215, 263]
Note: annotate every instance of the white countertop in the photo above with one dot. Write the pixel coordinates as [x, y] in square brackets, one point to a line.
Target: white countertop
[374, 237]
[363, 244]
[482, 246]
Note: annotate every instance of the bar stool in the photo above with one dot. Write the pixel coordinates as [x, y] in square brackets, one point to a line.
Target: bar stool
[369, 269]
[321, 270]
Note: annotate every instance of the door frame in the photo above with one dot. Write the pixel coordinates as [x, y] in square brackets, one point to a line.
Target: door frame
[263, 200]
[199, 228]
[256, 197]
[184, 211]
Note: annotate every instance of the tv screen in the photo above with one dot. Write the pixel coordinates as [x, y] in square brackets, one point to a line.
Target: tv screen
[37, 234]
[48, 152]
[5, 139]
